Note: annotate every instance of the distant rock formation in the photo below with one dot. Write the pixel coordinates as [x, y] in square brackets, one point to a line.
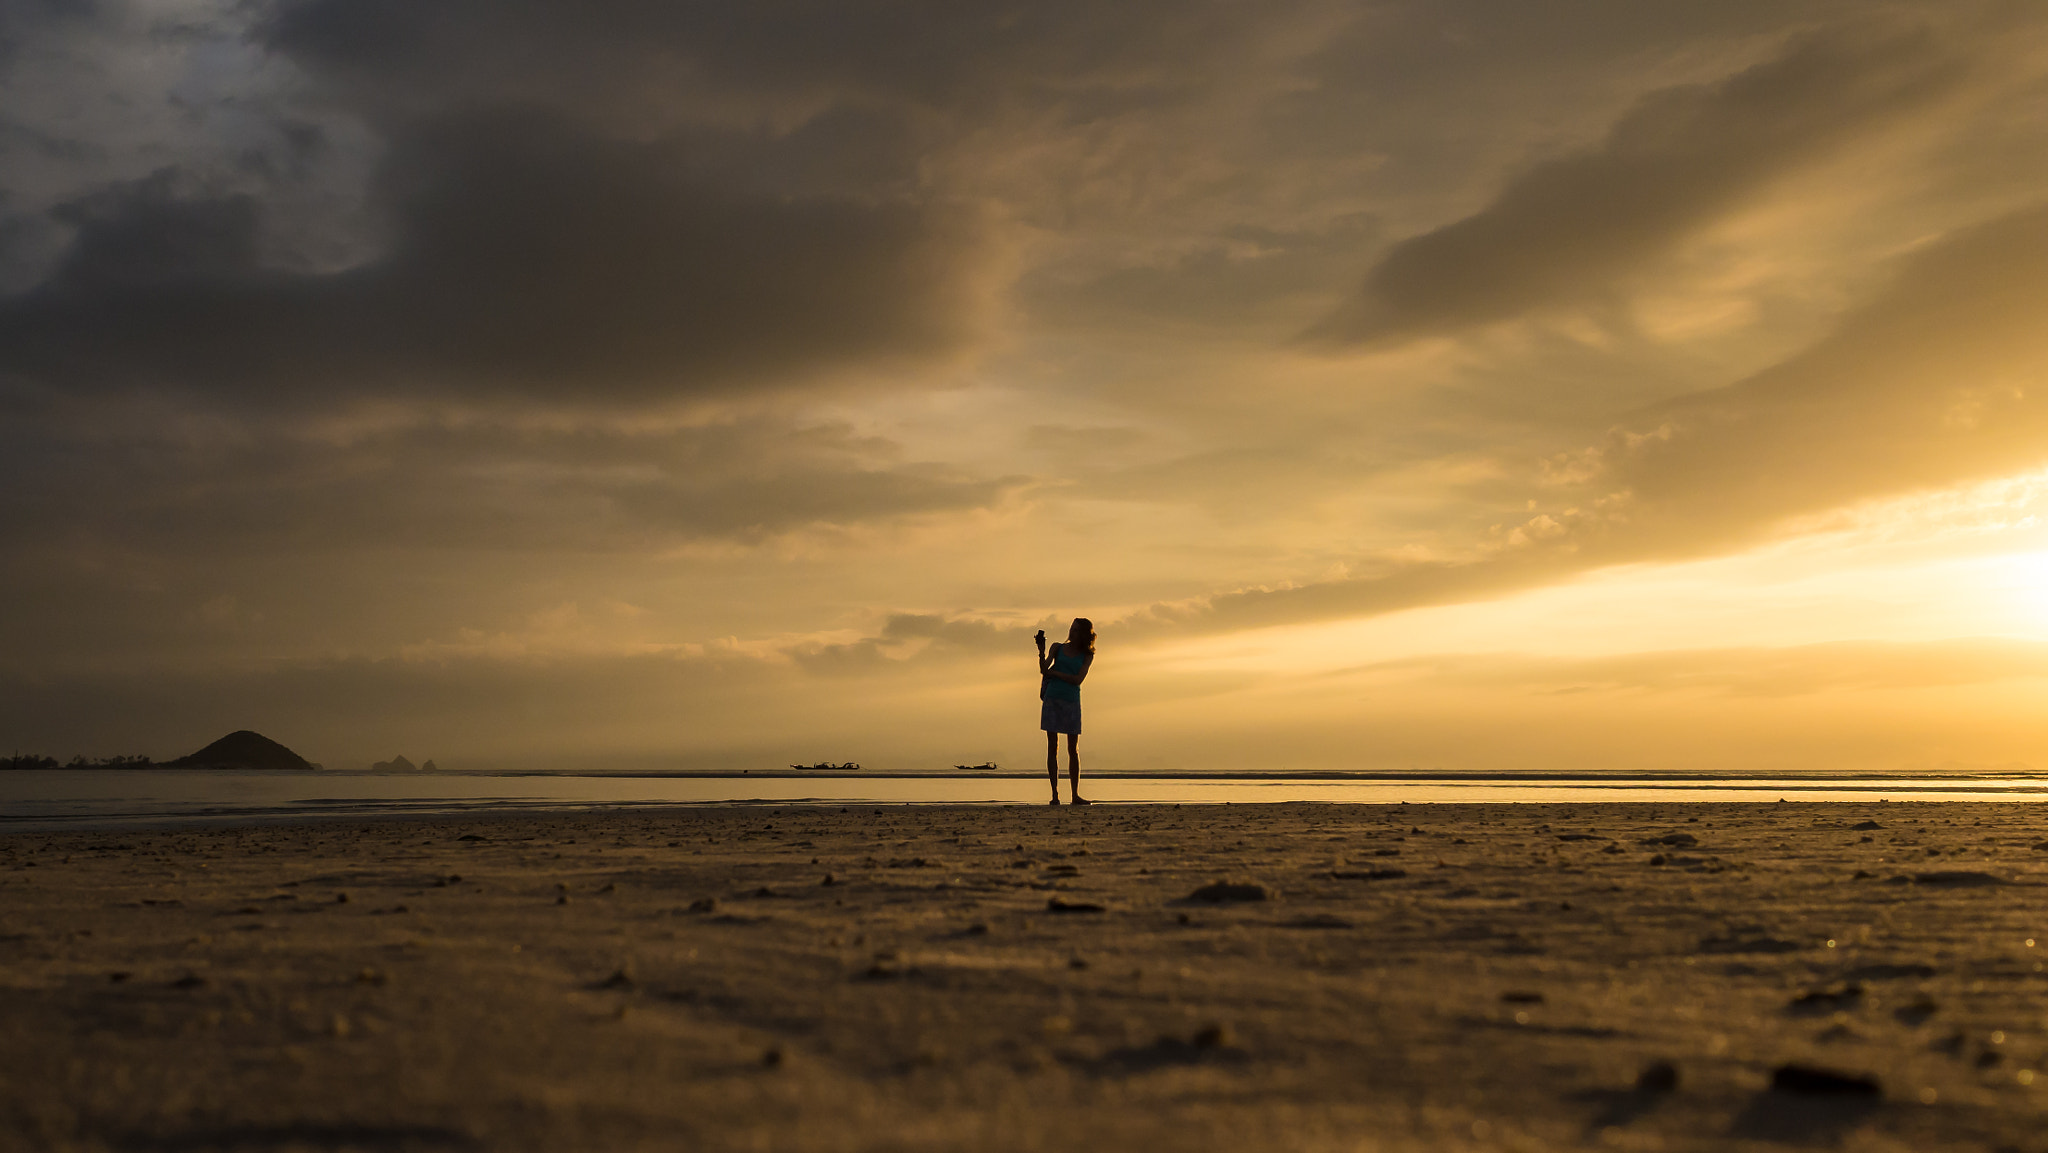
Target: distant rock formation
[395, 765]
[428, 766]
[245, 750]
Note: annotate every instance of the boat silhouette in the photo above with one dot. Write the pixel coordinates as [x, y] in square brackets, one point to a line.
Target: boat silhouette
[983, 765]
[827, 765]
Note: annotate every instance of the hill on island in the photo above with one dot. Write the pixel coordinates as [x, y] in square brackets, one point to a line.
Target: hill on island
[245, 750]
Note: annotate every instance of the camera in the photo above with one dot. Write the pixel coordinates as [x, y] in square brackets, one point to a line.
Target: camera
[1041, 638]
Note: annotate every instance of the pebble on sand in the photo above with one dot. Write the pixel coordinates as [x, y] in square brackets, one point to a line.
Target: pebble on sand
[1657, 1077]
[1956, 878]
[1058, 906]
[1814, 1081]
[1217, 892]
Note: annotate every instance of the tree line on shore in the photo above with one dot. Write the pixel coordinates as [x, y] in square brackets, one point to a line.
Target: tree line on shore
[241, 749]
[31, 761]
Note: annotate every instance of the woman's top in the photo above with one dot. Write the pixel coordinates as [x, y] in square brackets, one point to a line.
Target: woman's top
[1070, 660]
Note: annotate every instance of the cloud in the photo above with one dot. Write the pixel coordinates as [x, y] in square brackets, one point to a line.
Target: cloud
[344, 712]
[525, 260]
[907, 637]
[930, 52]
[77, 479]
[1801, 670]
[1933, 383]
[1580, 229]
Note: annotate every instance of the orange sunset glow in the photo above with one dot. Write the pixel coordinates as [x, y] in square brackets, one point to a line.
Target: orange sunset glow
[1472, 385]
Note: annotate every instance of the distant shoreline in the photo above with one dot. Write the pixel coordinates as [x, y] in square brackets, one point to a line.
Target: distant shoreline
[1818, 776]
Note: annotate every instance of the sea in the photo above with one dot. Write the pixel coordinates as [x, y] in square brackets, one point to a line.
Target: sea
[104, 798]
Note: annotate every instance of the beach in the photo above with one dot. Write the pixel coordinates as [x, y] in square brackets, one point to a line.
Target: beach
[870, 977]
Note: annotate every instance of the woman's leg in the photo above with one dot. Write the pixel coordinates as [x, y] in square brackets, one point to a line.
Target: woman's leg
[1074, 767]
[1052, 764]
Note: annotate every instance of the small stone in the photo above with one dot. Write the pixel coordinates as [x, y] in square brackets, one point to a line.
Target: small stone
[1956, 879]
[1862, 826]
[1814, 1081]
[1216, 1036]
[1058, 906]
[978, 929]
[1827, 1000]
[772, 1059]
[1522, 997]
[119, 975]
[829, 881]
[618, 980]
[1657, 1077]
[704, 905]
[1219, 891]
[562, 899]
[370, 977]
[189, 981]
[341, 898]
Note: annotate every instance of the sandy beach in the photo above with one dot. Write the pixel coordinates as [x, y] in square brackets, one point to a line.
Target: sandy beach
[820, 978]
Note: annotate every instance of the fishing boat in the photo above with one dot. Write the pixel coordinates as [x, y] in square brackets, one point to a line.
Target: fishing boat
[985, 766]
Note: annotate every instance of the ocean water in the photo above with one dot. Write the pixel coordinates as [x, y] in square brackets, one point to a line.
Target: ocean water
[32, 800]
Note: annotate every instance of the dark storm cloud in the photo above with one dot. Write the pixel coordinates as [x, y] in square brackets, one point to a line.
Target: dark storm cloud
[255, 491]
[525, 258]
[924, 51]
[21, 21]
[1581, 228]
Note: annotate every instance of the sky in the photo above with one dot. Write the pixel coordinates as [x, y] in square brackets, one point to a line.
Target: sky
[1461, 384]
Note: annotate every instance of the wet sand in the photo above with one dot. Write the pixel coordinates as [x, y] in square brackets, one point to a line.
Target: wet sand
[805, 978]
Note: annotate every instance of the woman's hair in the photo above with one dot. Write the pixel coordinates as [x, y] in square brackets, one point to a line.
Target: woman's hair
[1085, 627]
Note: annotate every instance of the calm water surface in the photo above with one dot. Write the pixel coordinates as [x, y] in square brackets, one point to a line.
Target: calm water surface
[91, 798]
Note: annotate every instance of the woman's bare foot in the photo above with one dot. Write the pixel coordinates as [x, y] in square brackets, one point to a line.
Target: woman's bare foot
[1054, 801]
[1079, 801]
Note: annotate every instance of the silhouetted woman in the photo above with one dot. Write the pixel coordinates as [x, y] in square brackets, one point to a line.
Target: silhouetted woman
[1059, 692]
